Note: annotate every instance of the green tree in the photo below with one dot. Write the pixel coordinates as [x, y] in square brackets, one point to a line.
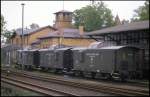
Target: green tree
[2, 23]
[8, 35]
[93, 17]
[4, 32]
[2, 28]
[142, 13]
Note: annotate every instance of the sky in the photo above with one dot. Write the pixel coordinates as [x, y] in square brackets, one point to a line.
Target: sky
[41, 12]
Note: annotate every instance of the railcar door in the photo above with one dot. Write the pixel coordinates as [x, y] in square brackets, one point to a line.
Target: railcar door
[36, 58]
[124, 65]
[68, 59]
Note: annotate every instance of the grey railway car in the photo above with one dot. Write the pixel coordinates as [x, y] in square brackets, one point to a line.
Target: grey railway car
[64, 58]
[47, 58]
[28, 58]
[8, 54]
[19, 57]
[108, 61]
[5, 57]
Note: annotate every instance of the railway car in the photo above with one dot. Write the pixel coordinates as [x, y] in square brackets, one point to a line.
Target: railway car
[29, 59]
[50, 58]
[5, 56]
[19, 57]
[8, 54]
[47, 59]
[110, 62]
[64, 59]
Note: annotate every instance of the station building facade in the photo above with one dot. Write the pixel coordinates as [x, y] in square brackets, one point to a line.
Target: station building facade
[61, 33]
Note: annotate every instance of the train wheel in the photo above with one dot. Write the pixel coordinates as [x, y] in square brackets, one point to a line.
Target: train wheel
[56, 71]
[75, 73]
[122, 78]
[81, 74]
[93, 74]
[72, 73]
[108, 76]
[27, 67]
[24, 67]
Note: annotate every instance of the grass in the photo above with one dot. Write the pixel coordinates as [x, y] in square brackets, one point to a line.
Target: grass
[9, 90]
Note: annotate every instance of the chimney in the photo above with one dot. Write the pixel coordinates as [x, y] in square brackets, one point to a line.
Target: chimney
[81, 30]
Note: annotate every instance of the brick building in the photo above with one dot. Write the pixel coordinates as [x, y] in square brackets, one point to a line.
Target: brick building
[29, 35]
[62, 32]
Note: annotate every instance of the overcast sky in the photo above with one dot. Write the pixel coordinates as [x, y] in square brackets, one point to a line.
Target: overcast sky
[41, 12]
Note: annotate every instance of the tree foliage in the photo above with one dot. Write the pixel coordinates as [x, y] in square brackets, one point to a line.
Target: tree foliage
[2, 23]
[142, 13]
[34, 26]
[93, 17]
[4, 32]
[8, 34]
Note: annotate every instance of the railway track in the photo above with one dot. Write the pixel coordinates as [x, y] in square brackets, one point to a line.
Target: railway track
[99, 88]
[34, 87]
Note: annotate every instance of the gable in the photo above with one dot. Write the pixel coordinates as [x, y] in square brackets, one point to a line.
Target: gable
[31, 31]
[33, 37]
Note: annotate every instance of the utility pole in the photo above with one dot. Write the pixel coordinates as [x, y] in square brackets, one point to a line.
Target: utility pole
[92, 1]
[61, 36]
[63, 4]
[22, 40]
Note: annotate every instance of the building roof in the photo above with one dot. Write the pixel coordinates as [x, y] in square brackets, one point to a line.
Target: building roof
[27, 31]
[67, 33]
[63, 11]
[122, 28]
[36, 42]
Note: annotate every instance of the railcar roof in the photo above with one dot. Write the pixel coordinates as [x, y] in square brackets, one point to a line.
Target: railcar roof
[116, 47]
[47, 49]
[29, 50]
[80, 48]
[34, 50]
[66, 48]
[19, 50]
[112, 47]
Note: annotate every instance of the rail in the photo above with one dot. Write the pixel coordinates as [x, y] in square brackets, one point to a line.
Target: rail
[34, 87]
[100, 88]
